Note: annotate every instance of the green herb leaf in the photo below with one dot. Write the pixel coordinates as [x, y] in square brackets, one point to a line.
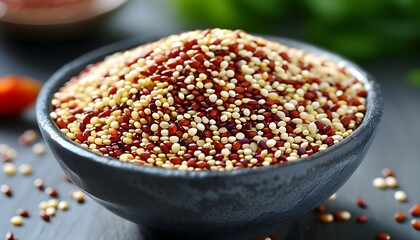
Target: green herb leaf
[413, 78]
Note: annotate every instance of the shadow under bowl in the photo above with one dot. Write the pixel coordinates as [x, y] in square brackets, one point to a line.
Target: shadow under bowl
[208, 203]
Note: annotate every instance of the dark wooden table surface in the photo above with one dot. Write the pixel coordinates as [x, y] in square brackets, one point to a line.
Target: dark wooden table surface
[397, 145]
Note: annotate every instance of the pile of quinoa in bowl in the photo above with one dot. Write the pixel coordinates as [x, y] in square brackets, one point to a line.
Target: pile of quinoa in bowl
[213, 100]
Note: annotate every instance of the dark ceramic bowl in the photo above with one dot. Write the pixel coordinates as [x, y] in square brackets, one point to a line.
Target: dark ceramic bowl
[208, 202]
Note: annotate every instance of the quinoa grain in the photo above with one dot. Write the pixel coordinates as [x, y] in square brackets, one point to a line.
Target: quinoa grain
[361, 219]
[25, 169]
[38, 183]
[333, 197]
[379, 183]
[10, 236]
[78, 195]
[387, 172]
[51, 191]
[50, 211]
[63, 205]
[53, 203]
[416, 224]
[361, 202]
[38, 148]
[6, 190]
[16, 220]
[399, 216]
[320, 209]
[391, 182]
[342, 216]
[400, 196]
[383, 236]
[22, 212]
[7, 153]
[43, 205]
[44, 215]
[28, 137]
[326, 217]
[415, 210]
[9, 168]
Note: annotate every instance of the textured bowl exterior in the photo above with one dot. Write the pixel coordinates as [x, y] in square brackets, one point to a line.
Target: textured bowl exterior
[208, 202]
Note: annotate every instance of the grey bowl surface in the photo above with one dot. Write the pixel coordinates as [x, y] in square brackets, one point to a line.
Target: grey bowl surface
[208, 203]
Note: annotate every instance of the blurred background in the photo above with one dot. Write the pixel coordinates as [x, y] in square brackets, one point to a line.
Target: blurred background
[37, 37]
[358, 29]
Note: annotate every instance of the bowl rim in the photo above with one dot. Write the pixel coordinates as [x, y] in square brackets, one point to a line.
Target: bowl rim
[374, 111]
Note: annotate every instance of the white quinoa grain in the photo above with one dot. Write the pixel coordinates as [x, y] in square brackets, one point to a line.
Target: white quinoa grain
[213, 98]
[225, 152]
[312, 128]
[192, 131]
[271, 143]
[379, 183]
[345, 215]
[38, 148]
[247, 151]
[391, 182]
[400, 196]
[176, 147]
[115, 125]
[16, 220]
[326, 217]
[63, 205]
[78, 195]
[9, 168]
[50, 211]
[43, 205]
[28, 137]
[333, 197]
[53, 203]
[25, 169]
[289, 106]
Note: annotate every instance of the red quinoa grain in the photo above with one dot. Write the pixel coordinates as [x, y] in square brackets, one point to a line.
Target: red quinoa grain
[399, 217]
[361, 219]
[415, 210]
[39, 183]
[6, 190]
[342, 215]
[382, 236]
[361, 202]
[321, 208]
[387, 172]
[44, 215]
[51, 191]
[416, 224]
[179, 102]
[10, 236]
[22, 212]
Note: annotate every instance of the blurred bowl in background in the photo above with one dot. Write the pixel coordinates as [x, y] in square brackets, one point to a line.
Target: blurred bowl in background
[53, 19]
